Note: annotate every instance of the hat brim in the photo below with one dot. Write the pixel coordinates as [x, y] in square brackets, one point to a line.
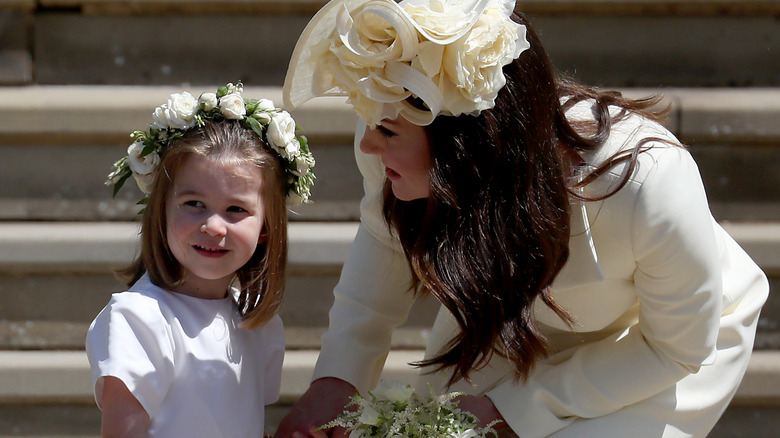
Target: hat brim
[299, 81]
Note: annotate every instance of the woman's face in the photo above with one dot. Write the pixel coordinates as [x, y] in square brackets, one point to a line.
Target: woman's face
[405, 152]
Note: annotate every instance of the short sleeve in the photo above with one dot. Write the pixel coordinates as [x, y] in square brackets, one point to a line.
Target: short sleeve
[130, 340]
[273, 337]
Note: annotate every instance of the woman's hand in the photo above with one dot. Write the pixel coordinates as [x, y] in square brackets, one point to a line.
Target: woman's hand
[321, 403]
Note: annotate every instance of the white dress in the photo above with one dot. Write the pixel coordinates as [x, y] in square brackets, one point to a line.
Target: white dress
[195, 372]
[665, 306]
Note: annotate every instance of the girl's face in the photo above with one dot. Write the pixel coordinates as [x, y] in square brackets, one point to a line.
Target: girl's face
[405, 151]
[215, 218]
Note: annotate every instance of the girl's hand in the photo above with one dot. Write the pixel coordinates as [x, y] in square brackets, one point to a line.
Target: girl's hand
[321, 403]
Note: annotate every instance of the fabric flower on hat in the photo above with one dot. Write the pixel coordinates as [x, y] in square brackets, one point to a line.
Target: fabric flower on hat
[448, 54]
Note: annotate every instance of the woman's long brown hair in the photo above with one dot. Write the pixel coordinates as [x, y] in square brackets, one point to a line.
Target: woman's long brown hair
[494, 232]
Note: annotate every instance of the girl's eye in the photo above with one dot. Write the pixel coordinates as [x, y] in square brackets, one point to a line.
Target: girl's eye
[195, 204]
[385, 132]
[236, 209]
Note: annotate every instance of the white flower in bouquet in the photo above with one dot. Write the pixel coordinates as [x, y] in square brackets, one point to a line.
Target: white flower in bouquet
[394, 410]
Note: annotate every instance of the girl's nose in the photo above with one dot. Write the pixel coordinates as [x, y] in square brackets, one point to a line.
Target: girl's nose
[371, 143]
[215, 226]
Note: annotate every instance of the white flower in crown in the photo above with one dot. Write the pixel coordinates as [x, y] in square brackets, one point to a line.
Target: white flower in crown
[291, 150]
[266, 105]
[182, 112]
[281, 130]
[303, 163]
[232, 106]
[208, 101]
[141, 165]
[178, 113]
[145, 181]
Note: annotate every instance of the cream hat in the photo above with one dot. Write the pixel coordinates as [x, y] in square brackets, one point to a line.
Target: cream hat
[449, 54]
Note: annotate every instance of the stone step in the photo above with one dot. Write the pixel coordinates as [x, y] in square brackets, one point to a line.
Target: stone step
[55, 277]
[68, 137]
[49, 393]
[668, 42]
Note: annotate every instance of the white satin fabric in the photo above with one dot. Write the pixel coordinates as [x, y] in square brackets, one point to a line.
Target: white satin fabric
[665, 303]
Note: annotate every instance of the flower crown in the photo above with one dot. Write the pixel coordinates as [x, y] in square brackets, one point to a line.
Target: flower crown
[449, 54]
[183, 112]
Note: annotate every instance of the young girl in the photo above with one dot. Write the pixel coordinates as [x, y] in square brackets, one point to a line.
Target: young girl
[195, 347]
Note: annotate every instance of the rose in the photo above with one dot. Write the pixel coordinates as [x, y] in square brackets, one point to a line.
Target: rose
[145, 181]
[264, 110]
[178, 113]
[262, 117]
[232, 106]
[265, 105]
[394, 391]
[369, 416]
[281, 130]
[473, 64]
[292, 149]
[138, 164]
[208, 101]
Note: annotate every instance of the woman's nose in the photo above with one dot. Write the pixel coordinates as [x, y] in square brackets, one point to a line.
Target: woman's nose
[371, 142]
[215, 226]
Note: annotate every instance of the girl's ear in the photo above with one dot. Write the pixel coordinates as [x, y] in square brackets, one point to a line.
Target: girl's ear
[263, 235]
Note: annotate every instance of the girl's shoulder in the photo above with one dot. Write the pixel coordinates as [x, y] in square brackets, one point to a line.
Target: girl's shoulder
[143, 301]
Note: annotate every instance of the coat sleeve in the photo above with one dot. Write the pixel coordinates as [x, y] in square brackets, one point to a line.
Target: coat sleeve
[373, 294]
[678, 285]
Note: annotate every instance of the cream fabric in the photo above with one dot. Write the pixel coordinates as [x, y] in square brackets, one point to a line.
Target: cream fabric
[195, 372]
[665, 304]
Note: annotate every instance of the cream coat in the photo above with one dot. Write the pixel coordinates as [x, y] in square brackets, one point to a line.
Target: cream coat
[665, 304]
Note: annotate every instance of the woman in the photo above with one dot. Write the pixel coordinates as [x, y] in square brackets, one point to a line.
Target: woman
[586, 289]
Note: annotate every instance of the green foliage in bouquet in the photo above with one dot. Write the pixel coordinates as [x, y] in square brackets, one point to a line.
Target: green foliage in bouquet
[394, 410]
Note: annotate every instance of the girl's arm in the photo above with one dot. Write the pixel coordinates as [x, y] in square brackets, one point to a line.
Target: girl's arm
[123, 415]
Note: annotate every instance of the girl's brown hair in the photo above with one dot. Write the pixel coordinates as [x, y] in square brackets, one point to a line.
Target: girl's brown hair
[262, 279]
[494, 232]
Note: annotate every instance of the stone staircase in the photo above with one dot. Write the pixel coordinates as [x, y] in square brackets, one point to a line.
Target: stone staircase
[76, 76]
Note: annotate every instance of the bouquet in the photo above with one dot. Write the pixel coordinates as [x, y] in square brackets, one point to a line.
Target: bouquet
[394, 410]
